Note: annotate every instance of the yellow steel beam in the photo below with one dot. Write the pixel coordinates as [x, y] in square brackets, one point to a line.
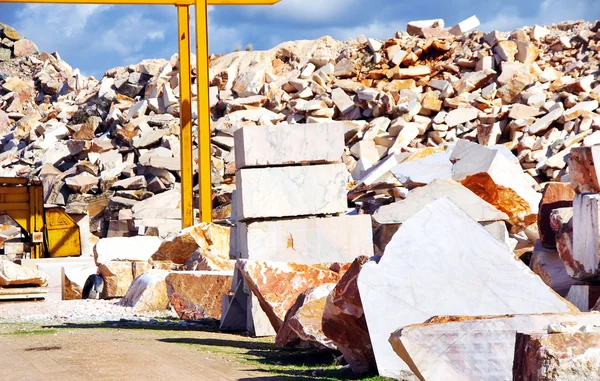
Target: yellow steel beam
[185, 113]
[147, 2]
[204, 157]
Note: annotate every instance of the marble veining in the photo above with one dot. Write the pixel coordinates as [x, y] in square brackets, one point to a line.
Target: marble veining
[442, 262]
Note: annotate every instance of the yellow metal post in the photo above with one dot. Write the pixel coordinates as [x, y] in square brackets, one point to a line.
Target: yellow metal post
[204, 157]
[185, 111]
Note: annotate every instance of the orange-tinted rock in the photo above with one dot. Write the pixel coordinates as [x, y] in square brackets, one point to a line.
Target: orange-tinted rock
[344, 321]
[583, 173]
[302, 327]
[118, 276]
[180, 248]
[277, 285]
[204, 260]
[503, 198]
[197, 294]
[555, 195]
[140, 268]
[557, 356]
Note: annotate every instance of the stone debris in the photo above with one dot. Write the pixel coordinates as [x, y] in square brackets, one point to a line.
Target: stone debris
[476, 288]
[197, 294]
[449, 347]
[302, 326]
[344, 321]
[557, 356]
[148, 292]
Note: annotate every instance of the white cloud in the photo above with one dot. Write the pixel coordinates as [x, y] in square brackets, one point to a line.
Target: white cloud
[156, 35]
[311, 11]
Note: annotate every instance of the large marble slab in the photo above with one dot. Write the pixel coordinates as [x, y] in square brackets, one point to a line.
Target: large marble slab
[479, 349]
[585, 261]
[288, 144]
[442, 262]
[425, 170]
[307, 240]
[291, 191]
[418, 198]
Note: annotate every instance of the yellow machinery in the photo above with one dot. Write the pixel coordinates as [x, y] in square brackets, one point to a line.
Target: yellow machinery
[51, 232]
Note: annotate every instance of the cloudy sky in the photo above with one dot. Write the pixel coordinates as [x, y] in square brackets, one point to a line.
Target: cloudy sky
[95, 38]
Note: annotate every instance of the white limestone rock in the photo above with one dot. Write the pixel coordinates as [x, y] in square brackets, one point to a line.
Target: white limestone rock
[291, 191]
[480, 349]
[417, 199]
[463, 271]
[425, 170]
[465, 26]
[288, 144]
[586, 237]
[139, 248]
[307, 240]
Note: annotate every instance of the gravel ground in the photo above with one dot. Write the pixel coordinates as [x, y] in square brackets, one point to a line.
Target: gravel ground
[74, 311]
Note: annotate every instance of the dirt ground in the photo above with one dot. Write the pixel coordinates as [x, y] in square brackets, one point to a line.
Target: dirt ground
[38, 345]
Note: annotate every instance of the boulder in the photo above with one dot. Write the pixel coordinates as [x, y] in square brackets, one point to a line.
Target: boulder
[139, 248]
[570, 356]
[424, 170]
[197, 294]
[302, 326]
[584, 261]
[584, 296]
[277, 285]
[453, 348]
[211, 239]
[148, 292]
[418, 198]
[74, 278]
[547, 264]
[583, 173]
[463, 271]
[561, 222]
[118, 276]
[12, 274]
[555, 195]
[344, 321]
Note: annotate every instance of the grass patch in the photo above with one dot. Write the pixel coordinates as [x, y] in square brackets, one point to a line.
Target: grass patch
[20, 330]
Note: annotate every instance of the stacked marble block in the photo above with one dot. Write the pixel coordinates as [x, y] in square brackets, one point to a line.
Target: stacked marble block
[290, 205]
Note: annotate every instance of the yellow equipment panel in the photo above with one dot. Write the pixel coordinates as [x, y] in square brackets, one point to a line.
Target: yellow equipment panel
[62, 234]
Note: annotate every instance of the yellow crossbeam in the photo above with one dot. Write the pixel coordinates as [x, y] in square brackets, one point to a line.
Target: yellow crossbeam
[148, 2]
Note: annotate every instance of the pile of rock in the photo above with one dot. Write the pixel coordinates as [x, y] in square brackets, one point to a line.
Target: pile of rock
[12, 44]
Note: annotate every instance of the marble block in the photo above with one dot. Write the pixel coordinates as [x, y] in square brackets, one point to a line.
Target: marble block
[291, 191]
[425, 170]
[307, 240]
[288, 144]
[555, 195]
[442, 262]
[583, 173]
[471, 349]
[547, 264]
[418, 198]
[586, 237]
[584, 296]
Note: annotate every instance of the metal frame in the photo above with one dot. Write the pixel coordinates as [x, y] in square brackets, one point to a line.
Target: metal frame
[185, 97]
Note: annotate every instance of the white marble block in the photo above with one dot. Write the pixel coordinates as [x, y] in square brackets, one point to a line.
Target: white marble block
[307, 240]
[586, 236]
[442, 262]
[291, 191]
[472, 350]
[288, 144]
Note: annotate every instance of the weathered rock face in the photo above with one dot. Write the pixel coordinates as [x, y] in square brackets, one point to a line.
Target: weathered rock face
[118, 276]
[198, 294]
[344, 321]
[277, 285]
[451, 348]
[471, 260]
[125, 249]
[557, 356]
[12, 274]
[74, 280]
[302, 326]
[211, 238]
[583, 173]
[561, 222]
[148, 292]
[554, 196]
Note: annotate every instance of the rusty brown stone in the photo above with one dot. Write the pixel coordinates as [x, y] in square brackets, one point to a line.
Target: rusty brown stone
[557, 356]
[88, 129]
[277, 285]
[197, 294]
[561, 222]
[118, 276]
[344, 321]
[582, 169]
[302, 327]
[555, 195]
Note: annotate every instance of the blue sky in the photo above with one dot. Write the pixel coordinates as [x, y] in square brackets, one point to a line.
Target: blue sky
[95, 38]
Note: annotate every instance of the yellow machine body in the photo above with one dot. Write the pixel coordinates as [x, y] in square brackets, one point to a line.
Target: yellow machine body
[51, 231]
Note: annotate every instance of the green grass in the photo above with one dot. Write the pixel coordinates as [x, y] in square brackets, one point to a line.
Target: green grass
[25, 330]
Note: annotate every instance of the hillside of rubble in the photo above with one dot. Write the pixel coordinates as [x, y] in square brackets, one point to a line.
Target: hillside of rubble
[110, 146]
